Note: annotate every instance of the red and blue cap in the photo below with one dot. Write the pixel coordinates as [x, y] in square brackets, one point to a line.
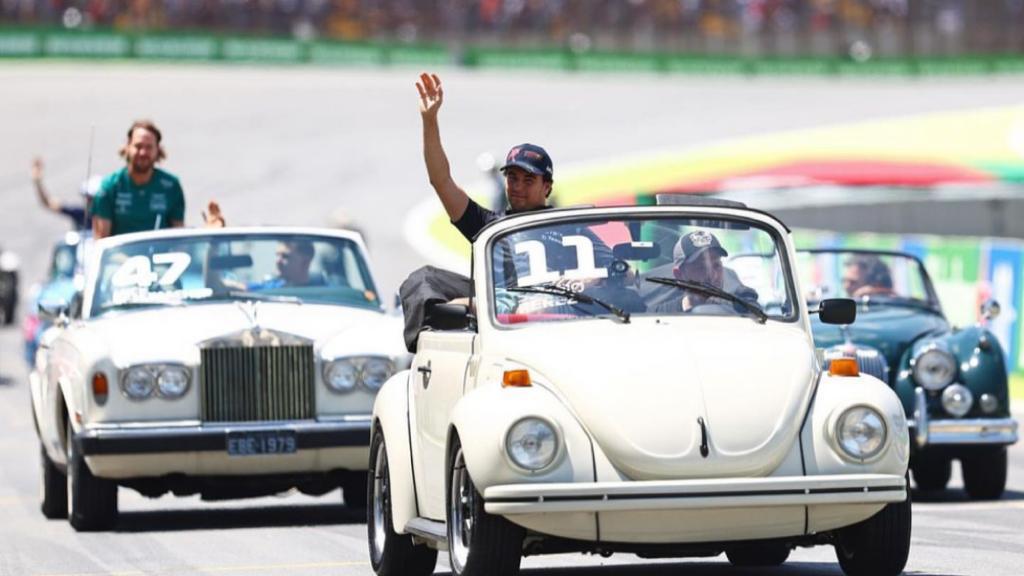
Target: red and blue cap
[531, 158]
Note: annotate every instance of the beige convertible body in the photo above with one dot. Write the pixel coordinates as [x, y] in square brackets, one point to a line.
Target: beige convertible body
[628, 425]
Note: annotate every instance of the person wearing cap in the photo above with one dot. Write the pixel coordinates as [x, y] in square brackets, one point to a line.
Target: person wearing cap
[79, 215]
[528, 170]
[139, 196]
[697, 258]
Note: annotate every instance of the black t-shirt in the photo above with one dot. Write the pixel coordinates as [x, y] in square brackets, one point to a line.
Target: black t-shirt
[80, 219]
[476, 217]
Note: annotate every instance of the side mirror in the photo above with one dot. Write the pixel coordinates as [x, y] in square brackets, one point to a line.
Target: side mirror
[837, 311]
[447, 316]
[990, 310]
[54, 310]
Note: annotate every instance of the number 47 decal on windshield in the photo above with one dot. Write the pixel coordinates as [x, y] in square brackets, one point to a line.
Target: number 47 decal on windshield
[537, 259]
[138, 271]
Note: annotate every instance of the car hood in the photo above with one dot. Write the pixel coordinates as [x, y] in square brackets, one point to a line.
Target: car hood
[640, 389]
[172, 334]
[890, 329]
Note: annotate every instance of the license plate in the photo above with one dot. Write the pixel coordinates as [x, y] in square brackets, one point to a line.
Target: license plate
[257, 443]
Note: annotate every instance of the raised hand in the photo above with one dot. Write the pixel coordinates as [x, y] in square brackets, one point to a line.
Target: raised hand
[213, 217]
[37, 169]
[431, 94]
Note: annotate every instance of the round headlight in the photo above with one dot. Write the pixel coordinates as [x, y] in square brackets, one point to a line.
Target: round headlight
[341, 376]
[934, 369]
[376, 372]
[957, 400]
[173, 381]
[861, 433]
[988, 403]
[532, 444]
[138, 383]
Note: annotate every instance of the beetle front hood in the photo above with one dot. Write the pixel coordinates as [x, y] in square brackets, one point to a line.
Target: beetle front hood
[640, 389]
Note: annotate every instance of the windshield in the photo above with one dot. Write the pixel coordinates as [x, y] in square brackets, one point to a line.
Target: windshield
[633, 266]
[865, 277]
[198, 269]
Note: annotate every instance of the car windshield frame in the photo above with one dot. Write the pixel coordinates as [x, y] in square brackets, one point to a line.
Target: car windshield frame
[93, 309]
[932, 304]
[646, 214]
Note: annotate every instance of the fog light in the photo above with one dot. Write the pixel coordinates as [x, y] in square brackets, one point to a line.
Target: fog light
[988, 403]
[957, 400]
[532, 444]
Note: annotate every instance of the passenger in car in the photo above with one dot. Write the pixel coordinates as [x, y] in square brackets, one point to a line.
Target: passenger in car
[698, 259]
[866, 275]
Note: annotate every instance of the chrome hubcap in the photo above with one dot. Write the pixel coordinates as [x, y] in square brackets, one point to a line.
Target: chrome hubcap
[462, 501]
[380, 502]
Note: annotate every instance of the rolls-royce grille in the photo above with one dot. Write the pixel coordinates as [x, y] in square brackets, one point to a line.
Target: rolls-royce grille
[258, 383]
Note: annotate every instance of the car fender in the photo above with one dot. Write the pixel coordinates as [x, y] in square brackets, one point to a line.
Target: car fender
[391, 416]
[835, 394]
[483, 417]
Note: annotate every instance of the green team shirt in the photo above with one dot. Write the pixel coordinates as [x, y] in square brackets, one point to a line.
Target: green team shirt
[132, 208]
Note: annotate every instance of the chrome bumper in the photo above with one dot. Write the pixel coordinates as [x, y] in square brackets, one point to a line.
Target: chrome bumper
[157, 439]
[695, 494]
[988, 431]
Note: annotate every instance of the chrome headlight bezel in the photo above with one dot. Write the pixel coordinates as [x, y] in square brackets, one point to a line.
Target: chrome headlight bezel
[514, 435]
[847, 450]
[957, 400]
[925, 359]
[368, 372]
[153, 377]
[335, 374]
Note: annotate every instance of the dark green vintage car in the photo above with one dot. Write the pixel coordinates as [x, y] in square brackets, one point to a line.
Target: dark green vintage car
[952, 381]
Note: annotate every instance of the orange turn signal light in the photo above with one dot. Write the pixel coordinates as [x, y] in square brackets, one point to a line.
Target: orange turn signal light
[844, 367]
[516, 379]
[100, 386]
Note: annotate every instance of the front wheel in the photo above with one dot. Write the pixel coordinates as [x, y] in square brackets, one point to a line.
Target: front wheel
[53, 489]
[353, 491]
[931, 473]
[985, 474]
[92, 501]
[878, 546]
[479, 544]
[391, 554]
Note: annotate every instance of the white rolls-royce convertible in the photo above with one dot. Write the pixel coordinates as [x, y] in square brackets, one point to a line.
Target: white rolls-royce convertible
[634, 380]
[226, 363]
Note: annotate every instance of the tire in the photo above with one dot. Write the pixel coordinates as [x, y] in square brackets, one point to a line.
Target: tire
[354, 491]
[878, 546]
[931, 473]
[53, 489]
[758, 554]
[985, 474]
[391, 554]
[479, 544]
[92, 501]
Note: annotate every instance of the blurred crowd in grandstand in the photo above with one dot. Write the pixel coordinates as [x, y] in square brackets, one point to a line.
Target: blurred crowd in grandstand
[757, 27]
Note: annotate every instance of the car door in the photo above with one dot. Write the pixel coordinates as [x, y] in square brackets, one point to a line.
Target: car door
[438, 378]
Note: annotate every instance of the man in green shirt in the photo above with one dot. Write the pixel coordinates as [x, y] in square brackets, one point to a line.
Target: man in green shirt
[139, 196]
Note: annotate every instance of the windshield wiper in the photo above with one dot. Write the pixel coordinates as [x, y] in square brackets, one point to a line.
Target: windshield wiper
[265, 297]
[709, 290]
[555, 290]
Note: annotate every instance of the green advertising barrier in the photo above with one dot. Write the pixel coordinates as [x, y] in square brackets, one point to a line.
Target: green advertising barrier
[103, 44]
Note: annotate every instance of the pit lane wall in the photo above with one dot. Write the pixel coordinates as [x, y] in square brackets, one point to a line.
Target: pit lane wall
[20, 42]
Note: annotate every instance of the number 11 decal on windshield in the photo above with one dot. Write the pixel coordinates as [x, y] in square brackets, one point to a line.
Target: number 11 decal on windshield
[537, 261]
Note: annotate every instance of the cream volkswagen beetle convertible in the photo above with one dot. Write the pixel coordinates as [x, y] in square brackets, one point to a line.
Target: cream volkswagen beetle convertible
[230, 363]
[619, 385]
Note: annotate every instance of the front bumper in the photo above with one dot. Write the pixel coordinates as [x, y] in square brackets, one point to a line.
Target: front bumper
[195, 437]
[695, 494]
[962, 432]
